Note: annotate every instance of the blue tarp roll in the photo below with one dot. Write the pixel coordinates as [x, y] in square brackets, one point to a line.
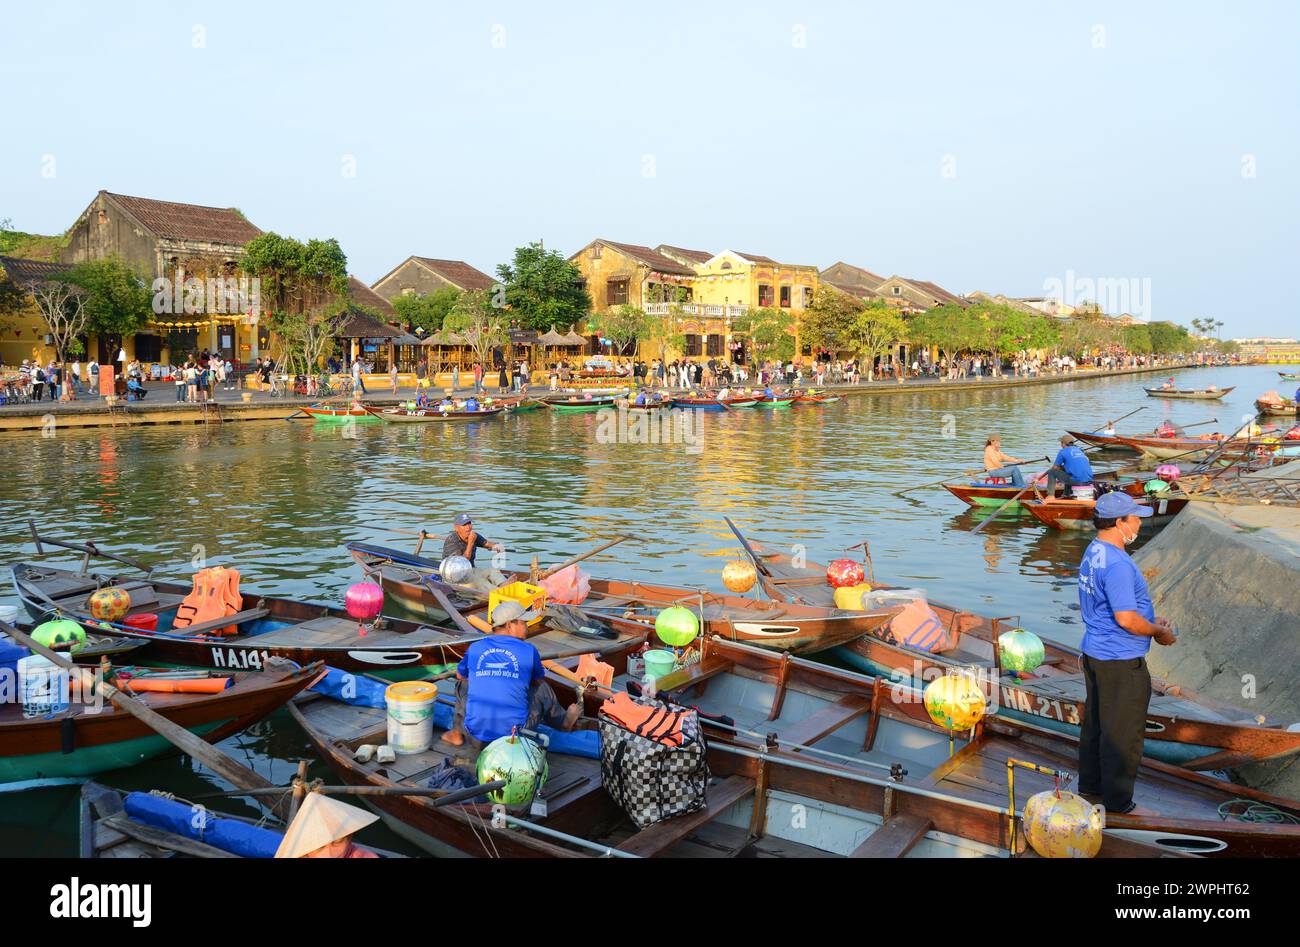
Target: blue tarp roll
[229, 835]
[573, 742]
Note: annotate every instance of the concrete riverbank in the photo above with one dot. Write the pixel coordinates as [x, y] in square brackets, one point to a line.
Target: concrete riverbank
[1227, 576]
[230, 406]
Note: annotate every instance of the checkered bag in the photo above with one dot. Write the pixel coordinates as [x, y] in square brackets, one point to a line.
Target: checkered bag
[653, 781]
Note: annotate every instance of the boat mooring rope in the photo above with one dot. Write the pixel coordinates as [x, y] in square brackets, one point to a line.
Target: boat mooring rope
[1257, 812]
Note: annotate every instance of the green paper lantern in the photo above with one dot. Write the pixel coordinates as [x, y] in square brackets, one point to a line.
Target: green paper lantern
[59, 633]
[519, 761]
[1020, 650]
[677, 626]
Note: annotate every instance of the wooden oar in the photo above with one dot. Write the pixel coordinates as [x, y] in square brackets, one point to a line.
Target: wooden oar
[935, 483]
[441, 797]
[1129, 415]
[1015, 498]
[182, 739]
[586, 555]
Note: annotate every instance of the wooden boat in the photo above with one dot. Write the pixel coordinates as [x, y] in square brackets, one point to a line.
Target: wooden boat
[859, 809]
[1289, 376]
[1189, 449]
[631, 607]
[432, 413]
[978, 493]
[1183, 727]
[1273, 409]
[706, 403]
[322, 412]
[1201, 394]
[776, 401]
[302, 632]
[94, 736]
[516, 405]
[816, 398]
[1077, 514]
[573, 404]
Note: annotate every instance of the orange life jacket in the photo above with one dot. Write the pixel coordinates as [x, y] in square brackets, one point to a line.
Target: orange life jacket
[654, 723]
[215, 595]
[917, 626]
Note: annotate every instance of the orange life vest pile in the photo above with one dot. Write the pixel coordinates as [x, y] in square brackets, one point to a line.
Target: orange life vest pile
[659, 724]
[215, 595]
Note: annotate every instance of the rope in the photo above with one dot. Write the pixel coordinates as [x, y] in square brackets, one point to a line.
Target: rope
[1256, 812]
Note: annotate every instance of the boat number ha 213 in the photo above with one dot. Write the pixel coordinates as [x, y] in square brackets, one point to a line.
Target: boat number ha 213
[241, 658]
[1040, 706]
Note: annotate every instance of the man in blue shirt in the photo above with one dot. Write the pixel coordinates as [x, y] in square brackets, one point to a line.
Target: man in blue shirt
[500, 685]
[1070, 468]
[1119, 622]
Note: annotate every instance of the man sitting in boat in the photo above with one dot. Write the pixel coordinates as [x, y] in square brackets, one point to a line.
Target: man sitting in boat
[1167, 385]
[1069, 469]
[724, 394]
[998, 464]
[500, 685]
[464, 541]
[323, 828]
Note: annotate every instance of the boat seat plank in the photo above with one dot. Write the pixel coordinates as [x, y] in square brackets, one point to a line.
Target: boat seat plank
[658, 838]
[239, 618]
[895, 838]
[827, 720]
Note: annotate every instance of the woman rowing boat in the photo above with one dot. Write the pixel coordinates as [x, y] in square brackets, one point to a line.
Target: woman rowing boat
[998, 464]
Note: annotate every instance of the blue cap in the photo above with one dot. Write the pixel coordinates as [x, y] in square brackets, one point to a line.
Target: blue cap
[462, 519]
[1111, 506]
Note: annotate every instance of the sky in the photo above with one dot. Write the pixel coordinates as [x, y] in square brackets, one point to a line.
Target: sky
[1152, 150]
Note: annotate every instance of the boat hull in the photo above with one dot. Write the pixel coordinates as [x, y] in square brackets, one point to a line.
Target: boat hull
[1187, 394]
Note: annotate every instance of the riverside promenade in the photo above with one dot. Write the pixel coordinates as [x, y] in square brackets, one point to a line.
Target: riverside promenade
[160, 406]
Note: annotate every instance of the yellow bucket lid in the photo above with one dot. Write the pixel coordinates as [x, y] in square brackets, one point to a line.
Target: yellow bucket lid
[411, 690]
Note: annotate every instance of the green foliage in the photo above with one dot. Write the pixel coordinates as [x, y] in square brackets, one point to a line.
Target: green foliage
[1136, 339]
[482, 324]
[29, 246]
[296, 276]
[1169, 339]
[1227, 347]
[427, 310]
[949, 328]
[767, 329]
[117, 300]
[623, 325]
[839, 322]
[542, 289]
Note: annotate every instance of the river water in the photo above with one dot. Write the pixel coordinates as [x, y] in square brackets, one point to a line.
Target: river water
[277, 500]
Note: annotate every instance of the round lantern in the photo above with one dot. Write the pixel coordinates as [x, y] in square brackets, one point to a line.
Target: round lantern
[1064, 825]
[60, 633]
[517, 760]
[739, 575]
[110, 604]
[1168, 472]
[1155, 486]
[1020, 650]
[677, 626]
[954, 701]
[845, 572]
[455, 570]
[365, 601]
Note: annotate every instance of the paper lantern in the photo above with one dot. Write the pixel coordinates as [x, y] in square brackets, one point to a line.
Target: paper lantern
[59, 633]
[1020, 650]
[520, 762]
[110, 604]
[677, 626]
[739, 575]
[1064, 825]
[844, 572]
[1155, 486]
[1168, 472]
[955, 701]
[365, 601]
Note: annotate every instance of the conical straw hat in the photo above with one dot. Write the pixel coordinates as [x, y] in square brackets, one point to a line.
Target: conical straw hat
[320, 821]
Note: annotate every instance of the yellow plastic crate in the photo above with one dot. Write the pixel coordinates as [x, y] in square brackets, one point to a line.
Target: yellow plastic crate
[529, 596]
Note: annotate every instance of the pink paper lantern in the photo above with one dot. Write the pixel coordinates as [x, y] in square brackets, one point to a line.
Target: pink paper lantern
[842, 573]
[365, 601]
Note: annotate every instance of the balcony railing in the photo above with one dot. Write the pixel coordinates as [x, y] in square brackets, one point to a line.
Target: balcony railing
[709, 310]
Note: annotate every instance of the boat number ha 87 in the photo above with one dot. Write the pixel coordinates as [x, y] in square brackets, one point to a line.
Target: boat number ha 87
[1040, 706]
[243, 658]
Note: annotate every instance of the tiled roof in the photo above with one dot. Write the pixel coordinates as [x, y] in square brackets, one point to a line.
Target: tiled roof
[363, 295]
[939, 292]
[458, 273]
[695, 256]
[651, 258]
[851, 275]
[28, 271]
[188, 221]
[362, 325]
[755, 258]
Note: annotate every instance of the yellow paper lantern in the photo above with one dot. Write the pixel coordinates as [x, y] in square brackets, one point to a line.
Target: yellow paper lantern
[1067, 826]
[955, 701]
[110, 604]
[739, 575]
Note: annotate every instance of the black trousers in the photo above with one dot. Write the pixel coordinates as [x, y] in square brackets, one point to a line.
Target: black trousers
[1114, 725]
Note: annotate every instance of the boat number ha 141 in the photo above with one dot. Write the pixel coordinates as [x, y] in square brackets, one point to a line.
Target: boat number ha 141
[242, 658]
[1040, 706]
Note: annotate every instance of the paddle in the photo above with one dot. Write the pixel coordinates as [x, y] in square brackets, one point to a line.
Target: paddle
[182, 739]
[935, 483]
[586, 555]
[442, 797]
[991, 516]
[1129, 415]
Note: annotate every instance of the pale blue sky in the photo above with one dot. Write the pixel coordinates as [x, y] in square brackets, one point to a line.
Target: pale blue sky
[1104, 139]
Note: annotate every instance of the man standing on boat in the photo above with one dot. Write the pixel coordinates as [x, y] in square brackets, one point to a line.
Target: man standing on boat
[500, 685]
[1069, 469]
[1119, 622]
[464, 541]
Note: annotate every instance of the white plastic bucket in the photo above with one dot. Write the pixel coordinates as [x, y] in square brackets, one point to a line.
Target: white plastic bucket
[1083, 491]
[42, 686]
[410, 715]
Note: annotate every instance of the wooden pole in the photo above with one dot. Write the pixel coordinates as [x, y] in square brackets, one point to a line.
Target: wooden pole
[586, 555]
[990, 517]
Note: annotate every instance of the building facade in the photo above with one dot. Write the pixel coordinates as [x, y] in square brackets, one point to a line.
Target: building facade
[419, 275]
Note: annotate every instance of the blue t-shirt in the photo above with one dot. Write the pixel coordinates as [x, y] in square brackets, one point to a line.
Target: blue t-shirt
[1074, 462]
[1110, 582]
[500, 671]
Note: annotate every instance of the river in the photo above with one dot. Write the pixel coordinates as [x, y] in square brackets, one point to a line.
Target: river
[277, 500]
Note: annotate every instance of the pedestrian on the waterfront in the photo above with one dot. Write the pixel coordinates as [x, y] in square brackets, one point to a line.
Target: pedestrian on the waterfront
[392, 376]
[455, 377]
[1119, 623]
[178, 378]
[191, 381]
[358, 383]
[503, 380]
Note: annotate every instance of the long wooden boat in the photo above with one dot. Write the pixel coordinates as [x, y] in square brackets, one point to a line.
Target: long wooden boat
[706, 403]
[323, 413]
[93, 736]
[816, 398]
[1289, 376]
[776, 401]
[432, 413]
[268, 627]
[1183, 727]
[982, 493]
[1077, 514]
[1201, 394]
[1190, 449]
[758, 783]
[573, 404]
[631, 606]
[1273, 409]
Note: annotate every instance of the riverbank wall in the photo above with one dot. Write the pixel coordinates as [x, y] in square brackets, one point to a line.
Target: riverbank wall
[1228, 577]
[44, 416]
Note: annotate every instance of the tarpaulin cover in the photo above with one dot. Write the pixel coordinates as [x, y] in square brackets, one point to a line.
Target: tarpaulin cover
[181, 818]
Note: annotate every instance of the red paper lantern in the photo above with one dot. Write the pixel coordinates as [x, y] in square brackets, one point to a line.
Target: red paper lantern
[842, 573]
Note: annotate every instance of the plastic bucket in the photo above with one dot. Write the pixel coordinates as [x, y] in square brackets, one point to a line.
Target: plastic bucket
[43, 686]
[146, 621]
[659, 662]
[410, 715]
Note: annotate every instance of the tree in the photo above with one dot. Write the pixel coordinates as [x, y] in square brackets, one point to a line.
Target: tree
[872, 331]
[623, 325]
[949, 328]
[1005, 330]
[482, 325]
[1137, 339]
[664, 330]
[767, 329]
[542, 289]
[826, 323]
[62, 305]
[305, 285]
[427, 310]
[1168, 339]
[117, 299]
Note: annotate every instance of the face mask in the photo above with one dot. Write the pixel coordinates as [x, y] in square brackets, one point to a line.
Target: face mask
[1125, 536]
